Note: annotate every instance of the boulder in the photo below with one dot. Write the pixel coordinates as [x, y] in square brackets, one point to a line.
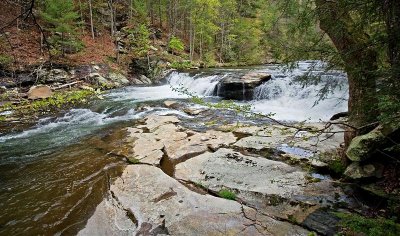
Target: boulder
[242, 87]
[145, 80]
[118, 78]
[39, 92]
[193, 111]
[156, 204]
[97, 79]
[53, 76]
[171, 104]
[357, 171]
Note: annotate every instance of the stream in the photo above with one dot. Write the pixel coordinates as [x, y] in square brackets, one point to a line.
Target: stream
[53, 175]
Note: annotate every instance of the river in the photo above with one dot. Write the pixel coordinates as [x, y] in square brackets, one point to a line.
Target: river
[53, 175]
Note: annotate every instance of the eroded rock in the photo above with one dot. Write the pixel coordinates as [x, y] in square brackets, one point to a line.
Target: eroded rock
[241, 88]
[161, 205]
[272, 187]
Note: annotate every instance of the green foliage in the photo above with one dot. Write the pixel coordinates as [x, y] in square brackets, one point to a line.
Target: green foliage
[5, 60]
[138, 40]
[61, 19]
[337, 166]
[181, 65]
[176, 44]
[133, 161]
[224, 193]
[56, 101]
[60, 99]
[390, 108]
[352, 223]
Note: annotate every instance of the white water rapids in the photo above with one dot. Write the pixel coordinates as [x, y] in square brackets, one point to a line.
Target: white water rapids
[54, 173]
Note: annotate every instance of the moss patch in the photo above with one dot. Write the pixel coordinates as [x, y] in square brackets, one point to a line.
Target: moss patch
[351, 223]
[225, 193]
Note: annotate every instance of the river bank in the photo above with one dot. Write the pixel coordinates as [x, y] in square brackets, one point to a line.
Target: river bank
[71, 169]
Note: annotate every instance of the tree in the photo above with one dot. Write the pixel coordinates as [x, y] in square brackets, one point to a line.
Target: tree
[61, 19]
[176, 44]
[364, 39]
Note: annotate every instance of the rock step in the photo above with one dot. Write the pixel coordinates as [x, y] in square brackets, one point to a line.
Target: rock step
[162, 205]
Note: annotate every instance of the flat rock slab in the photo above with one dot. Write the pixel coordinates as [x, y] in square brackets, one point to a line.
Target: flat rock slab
[162, 135]
[159, 204]
[272, 187]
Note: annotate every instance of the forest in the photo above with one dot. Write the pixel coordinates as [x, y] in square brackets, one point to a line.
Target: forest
[311, 86]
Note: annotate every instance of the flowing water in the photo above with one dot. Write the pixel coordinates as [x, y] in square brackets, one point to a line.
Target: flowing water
[54, 174]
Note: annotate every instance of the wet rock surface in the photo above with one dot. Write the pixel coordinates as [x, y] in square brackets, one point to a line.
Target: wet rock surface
[241, 87]
[272, 187]
[159, 204]
[272, 196]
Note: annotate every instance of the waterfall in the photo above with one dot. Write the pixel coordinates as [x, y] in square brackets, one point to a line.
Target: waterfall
[200, 84]
[292, 101]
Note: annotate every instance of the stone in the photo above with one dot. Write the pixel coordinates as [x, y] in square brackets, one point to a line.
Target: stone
[362, 147]
[258, 143]
[157, 204]
[271, 187]
[53, 75]
[118, 78]
[145, 80]
[197, 144]
[357, 171]
[39, 92]
[137, 82]
[242, 87]
[148, 148]
[193, 111]
[154, 121]
[171, 104]
[85, 87]
[97, 79]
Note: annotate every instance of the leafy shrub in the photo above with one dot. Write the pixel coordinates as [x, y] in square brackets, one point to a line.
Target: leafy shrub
[176, 44]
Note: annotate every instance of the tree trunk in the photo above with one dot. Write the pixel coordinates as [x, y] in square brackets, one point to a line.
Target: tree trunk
[112, 23]
[359, 58]
[391, 11]
[91, 18]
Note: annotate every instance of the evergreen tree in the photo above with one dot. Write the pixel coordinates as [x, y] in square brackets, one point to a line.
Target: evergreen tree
[62, 21]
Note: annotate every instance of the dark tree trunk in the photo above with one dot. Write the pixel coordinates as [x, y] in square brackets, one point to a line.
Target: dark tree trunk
[391, 12]
[359, 58]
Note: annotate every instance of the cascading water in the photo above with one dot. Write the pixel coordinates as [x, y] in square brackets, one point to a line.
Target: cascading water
[292, 101]
[53, 175]
[205, 85]
[281, 95]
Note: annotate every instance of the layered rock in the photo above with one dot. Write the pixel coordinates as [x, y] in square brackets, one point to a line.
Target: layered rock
[241, 88]
[272, 187]
[154, 204]
[164, 136]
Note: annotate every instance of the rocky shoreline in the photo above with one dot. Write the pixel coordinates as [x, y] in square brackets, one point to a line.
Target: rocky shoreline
[176, 181]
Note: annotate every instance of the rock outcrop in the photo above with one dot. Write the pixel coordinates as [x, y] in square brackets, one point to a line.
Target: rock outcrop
[173, 187]
[272, 187]
[145, 201]
[242, 87]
